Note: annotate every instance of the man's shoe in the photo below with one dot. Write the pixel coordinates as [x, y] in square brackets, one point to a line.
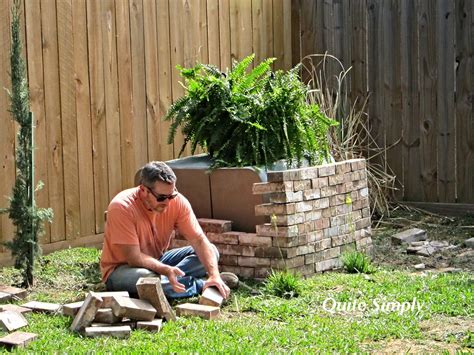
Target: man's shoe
[230, 279]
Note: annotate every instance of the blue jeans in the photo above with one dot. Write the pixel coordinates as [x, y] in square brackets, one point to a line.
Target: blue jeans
[124, 277]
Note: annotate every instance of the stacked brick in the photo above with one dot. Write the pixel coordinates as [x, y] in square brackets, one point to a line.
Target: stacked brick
[315, 213]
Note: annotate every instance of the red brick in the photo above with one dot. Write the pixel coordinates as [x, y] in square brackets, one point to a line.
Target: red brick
[341, 240]
[327, 265]
[211, 297]
[269, 230]
[122, 331]
[224, 238]
[254, 239]
[268, 209]
[105, 315]
[337, 200]
[151, 326]
[107, 297]
[133, 308]
[319, 182]
[321, 203]
[322, 244]
[362, 223]
[286, 241]
[302, 185]
[267, 187]
[231, 260]
[309, 173]
[197, 310]
[215, 225]
[44, 307]
[305, 249]
[304, 206]
[246, 261]
[288, 263]
[86, 314]
[225, 249]
[290, 219]
[315, 236]
[275, 252]
[312, 194]
[71, 309]
[343, 167]
[247, 272]
[328, 191]
[326, 170]
[149, 289]
[336, 179]
[286, 197]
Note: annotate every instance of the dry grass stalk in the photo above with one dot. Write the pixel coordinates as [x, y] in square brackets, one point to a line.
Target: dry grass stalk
[352, 138]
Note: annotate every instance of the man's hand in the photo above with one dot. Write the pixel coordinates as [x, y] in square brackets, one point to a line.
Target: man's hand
[172, 272]
[219, 283]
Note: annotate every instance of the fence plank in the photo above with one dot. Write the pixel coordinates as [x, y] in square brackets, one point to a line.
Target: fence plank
[83, 116]
[138, 82]
[164, 75]
[392, 90]
[464, 100]
[224, 34]
[428, 83]
[241, 28]
[112, 113]
[124, 71]
[152, 86]
[213, 32]
[262, 28]
[358, 51]
[296, 33]
[99, 130]
[7, 133]
[69, 120]
[445, 34]
[53, 118]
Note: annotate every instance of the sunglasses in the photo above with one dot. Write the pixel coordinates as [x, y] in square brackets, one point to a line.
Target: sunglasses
[161, 198]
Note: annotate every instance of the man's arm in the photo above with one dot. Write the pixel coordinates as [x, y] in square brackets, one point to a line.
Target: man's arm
[206, 255]
[136, 258]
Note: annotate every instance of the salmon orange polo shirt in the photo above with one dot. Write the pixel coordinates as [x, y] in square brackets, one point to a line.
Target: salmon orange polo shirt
[129, 222]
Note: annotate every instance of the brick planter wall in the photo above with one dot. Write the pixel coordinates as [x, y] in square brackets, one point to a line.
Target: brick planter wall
[316, 214]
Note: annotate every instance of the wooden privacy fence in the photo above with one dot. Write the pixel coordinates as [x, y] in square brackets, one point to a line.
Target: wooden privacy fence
[101, 75]
[414, 58]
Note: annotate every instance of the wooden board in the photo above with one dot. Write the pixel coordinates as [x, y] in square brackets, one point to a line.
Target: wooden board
[213, 32]
[52, 104]
[240, 28]
[464, 101]
[69, 120]
[445, 58]
[83, 117]
[224, 34]
[262, 29]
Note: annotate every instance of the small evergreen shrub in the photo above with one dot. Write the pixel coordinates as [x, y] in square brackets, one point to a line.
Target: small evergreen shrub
[284, 284]
[357, 262]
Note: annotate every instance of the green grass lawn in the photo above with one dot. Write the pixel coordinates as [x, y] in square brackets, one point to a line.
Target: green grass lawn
[258, 322]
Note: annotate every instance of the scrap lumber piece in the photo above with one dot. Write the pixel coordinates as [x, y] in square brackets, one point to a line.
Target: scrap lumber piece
[107, 297]
[43, 307]
[17, 293]
[86, 313]
[132, 308]
[121, 331]
[11, 320]
[197, 310]
[5, 297]
[71, 309]
[149, 289]
[14, 307]
[151, 326]
[105, 315]
[17, 339]
[211, 297]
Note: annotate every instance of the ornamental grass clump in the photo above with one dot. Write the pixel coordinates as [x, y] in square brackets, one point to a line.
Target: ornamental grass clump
[249, 117]
[284, 284]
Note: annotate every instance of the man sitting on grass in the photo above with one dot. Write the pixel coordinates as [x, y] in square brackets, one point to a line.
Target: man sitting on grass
[140, 224]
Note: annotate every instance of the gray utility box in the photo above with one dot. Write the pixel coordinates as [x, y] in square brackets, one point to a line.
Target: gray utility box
[224, 193]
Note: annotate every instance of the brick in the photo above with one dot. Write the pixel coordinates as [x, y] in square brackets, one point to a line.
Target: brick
[341, 240]
[322, 244]
[359, 184]
[356, 215]
[305, 270]
[310, 259]
[215, 225]
[231, 260]
[244, 250]
[319, 182]
[343, 167]
[149, 289]
[302, 185]
[349, 247]
[326, 170]
[15, 308]
[247, 272]
[44, 307]
[268, 230]
[197, 310]
[336, 179]
[305, 249]
[105, 315]
[253, 261]
[286, 197]
[211, 297]
[328, 191]
[341, 219]
[327, 265]
[366, 212]
[362, 223]
[337, 200]
[286, 241]
[17, 293]
[361, 243]
[71, 309]
[275, 252]
[107, 297]
[304, 206]
[150, 326]
[314, 236]
[309, 173]
[5, 297]
[18, 339]
[86, 314]
[364, 192]
[254, 239]
[224, 238]
[408, 236]
[232, 269]
[312, 194]
[321, 203]
[132, 308]
[289, 220]
[11, 320]
[268, 209]
[288, 263]
[322, 224]
[121, 331]
[312, 215]
[268, 187]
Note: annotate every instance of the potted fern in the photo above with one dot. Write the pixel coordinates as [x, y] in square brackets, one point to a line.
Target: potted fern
[248, 118]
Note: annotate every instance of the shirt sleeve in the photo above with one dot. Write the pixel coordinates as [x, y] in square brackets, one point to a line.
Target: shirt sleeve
[187, 223]
[121, 227]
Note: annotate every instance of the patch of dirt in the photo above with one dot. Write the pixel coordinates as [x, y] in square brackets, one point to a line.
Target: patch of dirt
[440, 334]
[454, 230]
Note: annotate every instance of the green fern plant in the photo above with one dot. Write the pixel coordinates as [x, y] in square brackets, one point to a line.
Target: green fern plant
[249, 117]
